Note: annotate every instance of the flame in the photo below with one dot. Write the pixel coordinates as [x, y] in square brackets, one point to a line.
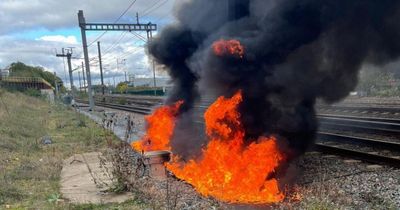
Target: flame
[229, 169]
[160, 128]
[228, 47]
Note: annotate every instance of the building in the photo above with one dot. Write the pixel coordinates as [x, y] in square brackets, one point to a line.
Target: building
[149, 82]
[4, 73]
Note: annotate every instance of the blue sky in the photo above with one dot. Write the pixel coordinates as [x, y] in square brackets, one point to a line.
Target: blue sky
[34, 39]
[36, 33]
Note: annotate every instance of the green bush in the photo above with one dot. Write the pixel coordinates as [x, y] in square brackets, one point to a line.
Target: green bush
[33, 92]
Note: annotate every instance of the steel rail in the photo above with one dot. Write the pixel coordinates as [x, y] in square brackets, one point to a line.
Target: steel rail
[370, 126]
[379, 119]
[362, 108]
[134, 109]
[359, 140]
[367, 157]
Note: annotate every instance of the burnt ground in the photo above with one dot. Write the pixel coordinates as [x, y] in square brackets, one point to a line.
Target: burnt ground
[322, 182]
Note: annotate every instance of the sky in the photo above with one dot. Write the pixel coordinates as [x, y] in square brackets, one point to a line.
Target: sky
[33, 31]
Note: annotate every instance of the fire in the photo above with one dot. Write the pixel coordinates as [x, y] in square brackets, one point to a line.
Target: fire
[228, 47]
[161, 125]
[229, 170]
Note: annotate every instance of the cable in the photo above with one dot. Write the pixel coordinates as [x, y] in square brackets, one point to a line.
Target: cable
[148, 8]
[154, 9]
[126, 10]
[139, 36]
[113, 45]
[105, 60]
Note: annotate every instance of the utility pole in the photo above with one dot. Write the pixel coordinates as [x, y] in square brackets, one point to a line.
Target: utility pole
[82, 25]
[101, 70]
[154, 78]
[149, 39]
[68, 55]
[83, 77]
[80, 84]
[56, 85]
[149, 27]
[122, 62]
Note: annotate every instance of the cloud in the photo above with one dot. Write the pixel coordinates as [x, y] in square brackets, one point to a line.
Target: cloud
[26, 39]
[23, 15]
[59, 38]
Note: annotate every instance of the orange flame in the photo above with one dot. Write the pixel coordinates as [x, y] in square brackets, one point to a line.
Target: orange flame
[228, 47]
[161, 125]
[229, 169]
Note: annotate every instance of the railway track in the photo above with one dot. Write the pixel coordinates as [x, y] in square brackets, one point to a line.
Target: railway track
[129, 108]
[362, 109]
[361, 124]
[367, 157]
[374, 125]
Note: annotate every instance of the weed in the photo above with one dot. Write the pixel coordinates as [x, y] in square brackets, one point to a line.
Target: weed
[29, 170]
[53, 198]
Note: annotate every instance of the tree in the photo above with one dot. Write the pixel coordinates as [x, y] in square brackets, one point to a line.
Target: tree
[122, 87]
[377, 82]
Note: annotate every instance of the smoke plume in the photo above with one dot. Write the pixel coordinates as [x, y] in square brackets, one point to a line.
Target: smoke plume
[296, 51]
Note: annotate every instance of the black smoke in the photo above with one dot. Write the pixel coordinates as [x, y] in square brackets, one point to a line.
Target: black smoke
[296, 52]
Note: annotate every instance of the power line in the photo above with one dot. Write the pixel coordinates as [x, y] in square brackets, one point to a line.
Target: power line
[148, 8]
[154, 9]
[116, 43]
[105, 60]
[139, 36]
[126, 10]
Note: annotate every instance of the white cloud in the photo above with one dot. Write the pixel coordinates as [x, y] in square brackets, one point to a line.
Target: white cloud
[59, 38]
[23, 15]
[53, 15]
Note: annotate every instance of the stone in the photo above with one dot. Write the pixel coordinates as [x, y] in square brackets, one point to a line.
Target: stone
[352, 161]
[374, 167]
[46, 140]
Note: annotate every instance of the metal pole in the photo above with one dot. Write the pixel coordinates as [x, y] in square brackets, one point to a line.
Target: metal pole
[154, 78]
[80, 84]
[101, 69]
[56, 84]
[71, 80]
[149, 38]
[83, 77]
[82, 25]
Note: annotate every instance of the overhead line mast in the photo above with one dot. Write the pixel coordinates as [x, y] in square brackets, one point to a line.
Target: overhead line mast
[148, 28]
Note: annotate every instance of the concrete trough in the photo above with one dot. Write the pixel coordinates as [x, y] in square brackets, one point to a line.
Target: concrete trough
[154, 161]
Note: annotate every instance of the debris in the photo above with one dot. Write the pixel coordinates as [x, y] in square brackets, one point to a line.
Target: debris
[46, 140]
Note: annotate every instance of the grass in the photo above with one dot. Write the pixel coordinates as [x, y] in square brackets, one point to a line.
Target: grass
[30, 170]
